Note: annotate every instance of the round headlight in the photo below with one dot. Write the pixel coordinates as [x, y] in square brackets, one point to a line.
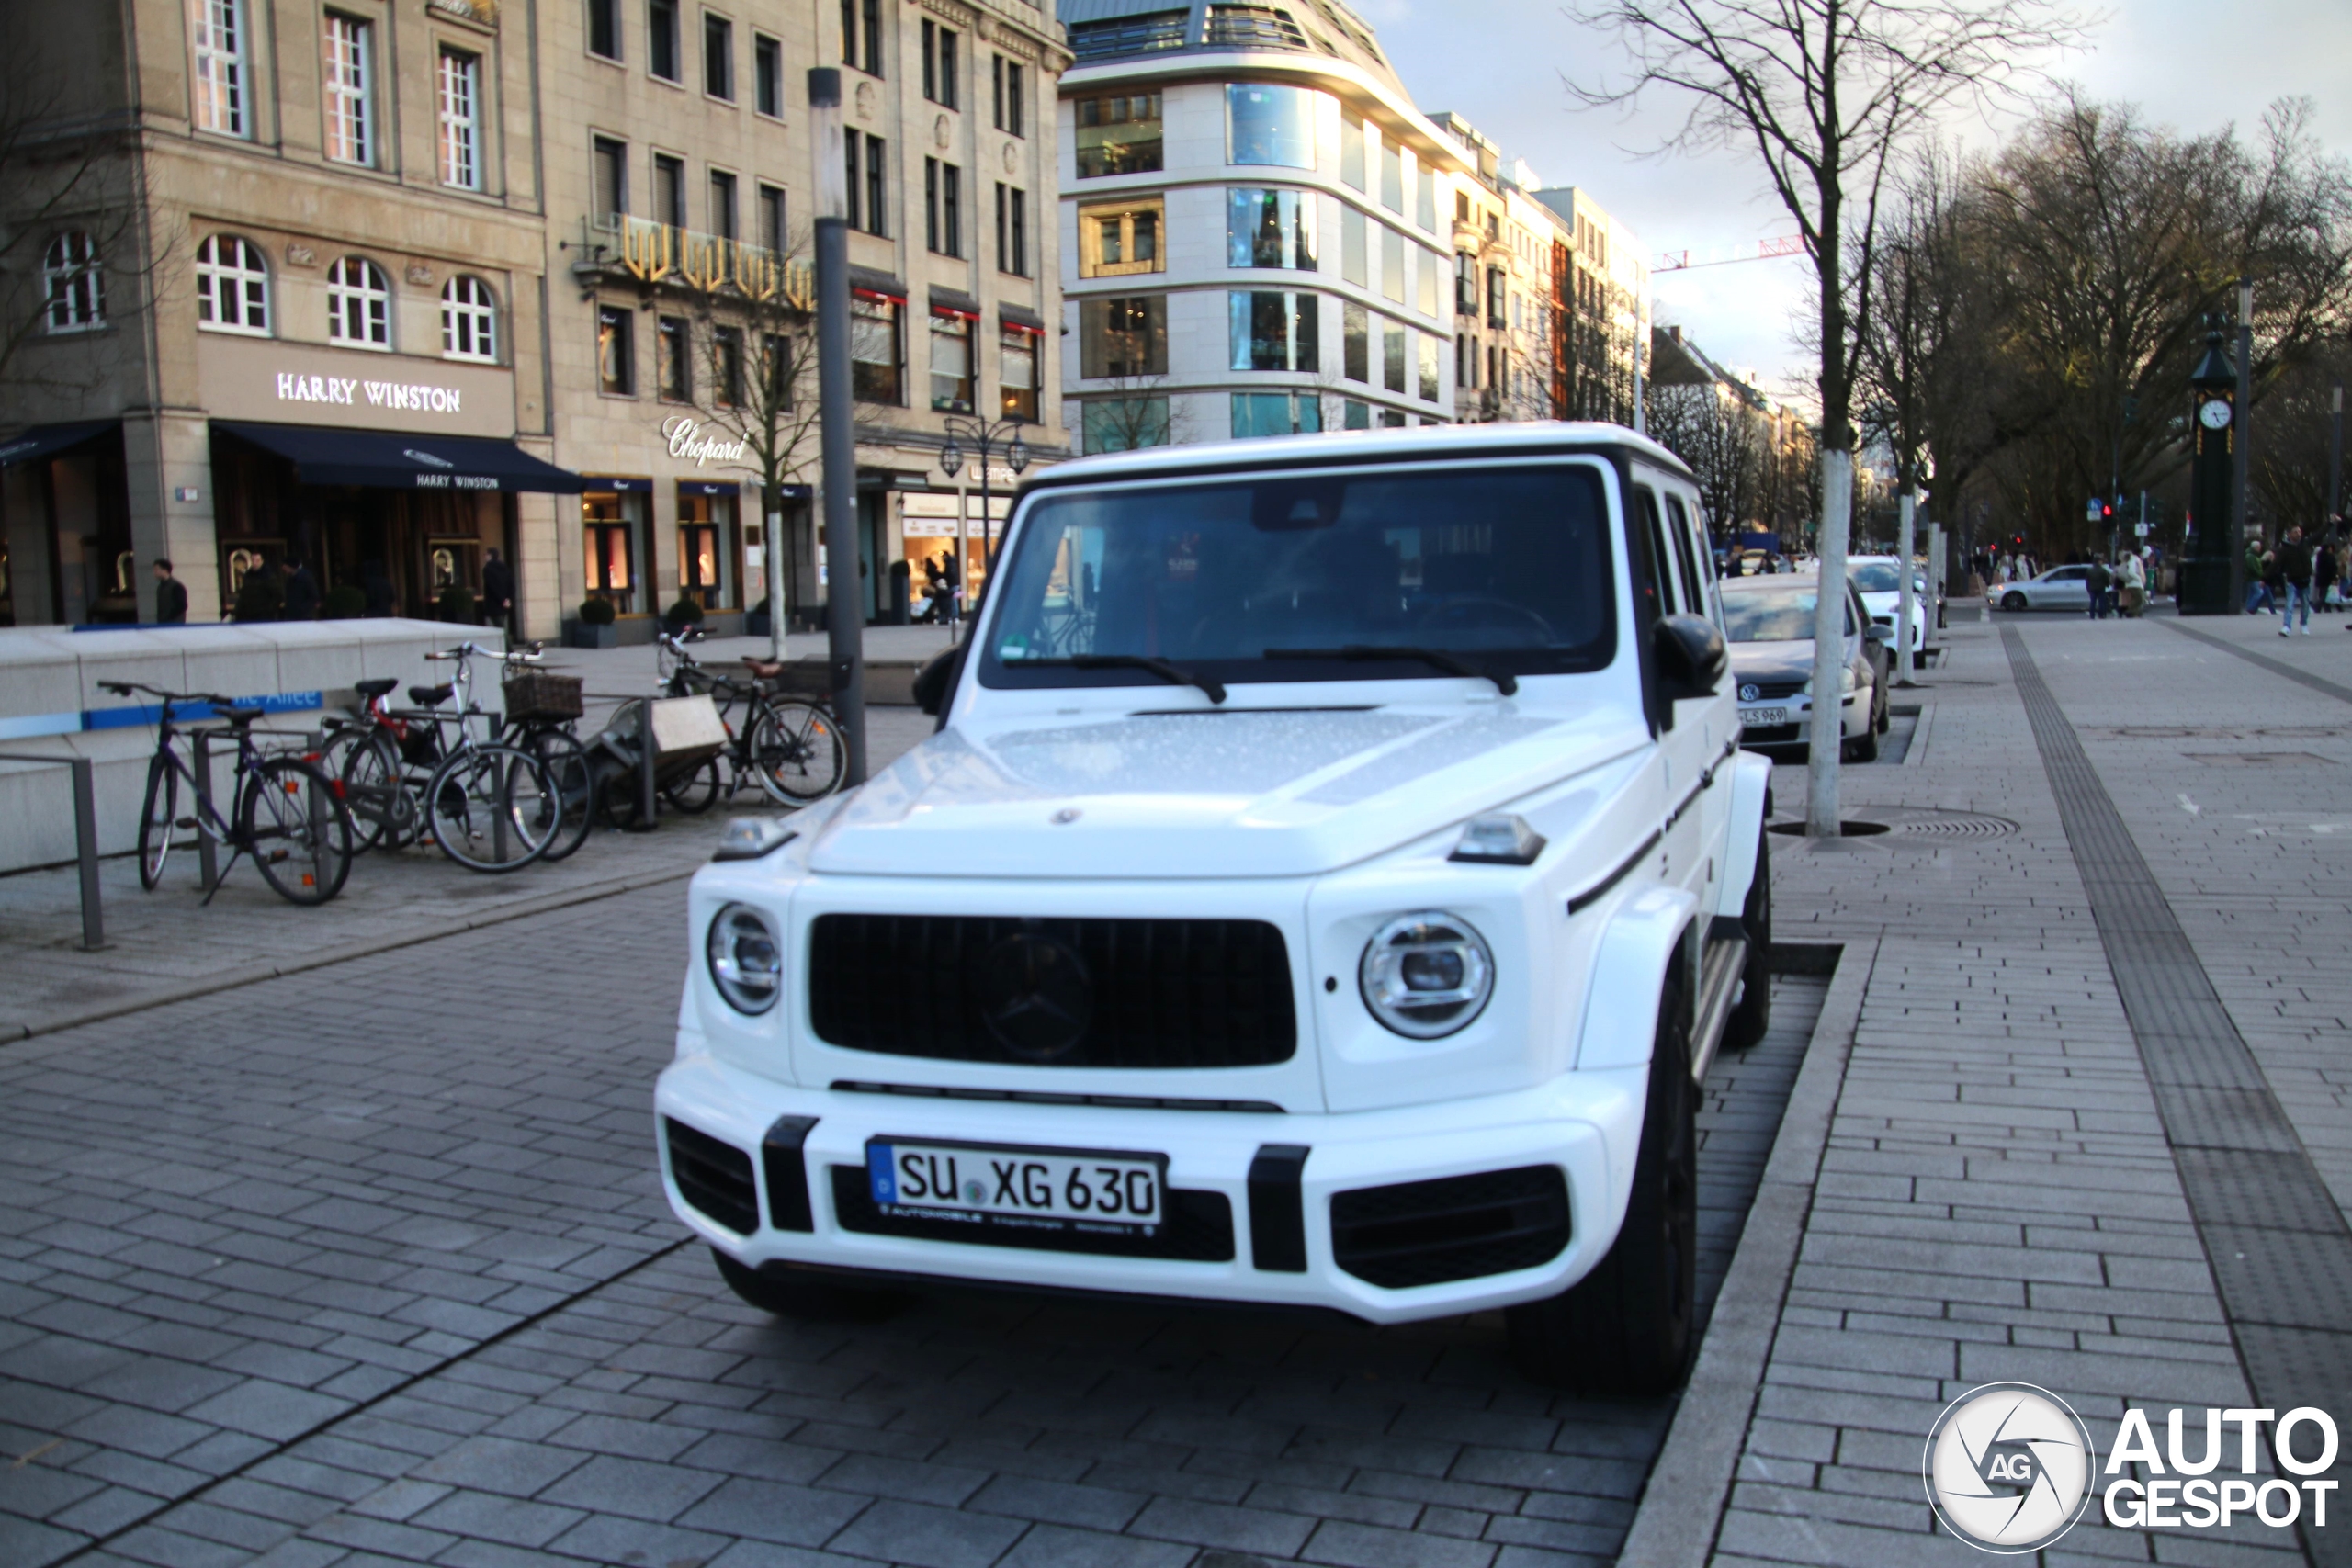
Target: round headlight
[1426, 975]
[746, 959]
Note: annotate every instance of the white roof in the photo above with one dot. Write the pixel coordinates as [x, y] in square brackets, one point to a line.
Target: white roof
[1432, 441]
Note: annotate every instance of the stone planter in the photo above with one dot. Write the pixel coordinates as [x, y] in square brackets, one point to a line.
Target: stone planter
[580, 634]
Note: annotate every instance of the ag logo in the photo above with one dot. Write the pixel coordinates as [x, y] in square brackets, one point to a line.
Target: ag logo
[2008, 1467]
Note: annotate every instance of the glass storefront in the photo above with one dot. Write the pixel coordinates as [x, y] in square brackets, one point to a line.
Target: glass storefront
[710, 546]
[613, 523]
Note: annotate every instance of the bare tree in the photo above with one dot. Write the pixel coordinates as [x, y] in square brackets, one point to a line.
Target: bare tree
[1825, 93]
[1711, 427]
[1129, 412]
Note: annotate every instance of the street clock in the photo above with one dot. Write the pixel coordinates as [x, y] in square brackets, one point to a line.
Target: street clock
[2215, 414]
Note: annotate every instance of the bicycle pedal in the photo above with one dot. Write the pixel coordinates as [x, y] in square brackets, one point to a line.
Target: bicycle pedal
[184, 822]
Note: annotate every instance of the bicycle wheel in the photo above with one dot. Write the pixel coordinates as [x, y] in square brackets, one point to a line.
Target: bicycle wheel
[567, 771]
[798, 751]
[295, 830]
[157, 819]
[492, 807]
[695, 793]
[376, 792]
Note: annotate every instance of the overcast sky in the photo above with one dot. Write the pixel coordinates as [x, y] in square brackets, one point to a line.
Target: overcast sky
[1499, 64]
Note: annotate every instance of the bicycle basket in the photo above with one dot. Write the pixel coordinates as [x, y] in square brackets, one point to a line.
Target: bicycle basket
[540, 695]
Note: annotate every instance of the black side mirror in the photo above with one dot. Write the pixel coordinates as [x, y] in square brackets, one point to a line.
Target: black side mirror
[1690, 656]
[937, 679]
[1876, 633]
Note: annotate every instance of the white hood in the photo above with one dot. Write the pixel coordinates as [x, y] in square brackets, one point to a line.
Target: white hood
[1225, 794]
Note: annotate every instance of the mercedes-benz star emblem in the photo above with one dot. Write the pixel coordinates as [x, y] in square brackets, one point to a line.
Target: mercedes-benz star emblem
[1749, 693]
[1035, 996]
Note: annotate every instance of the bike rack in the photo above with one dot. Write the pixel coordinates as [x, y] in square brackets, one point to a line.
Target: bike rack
[207, 856]
[86, 840]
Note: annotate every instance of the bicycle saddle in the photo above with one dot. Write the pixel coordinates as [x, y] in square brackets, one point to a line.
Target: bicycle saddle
[429, 696]
[373, 689]
[765, 669]
[238, 718]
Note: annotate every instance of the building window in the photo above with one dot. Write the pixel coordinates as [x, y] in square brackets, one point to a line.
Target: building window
[1355, 415]
[1392, 177]
[469, 320]
[1391, 419]
[610, 173]
[727, 366]
[359, 304]
[942, 208]
[1391, 355]
[604, 29]
[1252, 27]
[718, 57]
[662, 39]
[1270, 125]
[1425, 197]
[673, 370]
[951, 361]
[772, 218]
[1276, 414]
[1275, 332]
[1392, 263]
[1425, 268]
[1123, 336]
[1115, 240]
[862, 16]
[767, 75]
[460, 119]
[1119, 134]
[873, 348]
[219, 37]
[866, 211]
[71, 284]
[1429, 366]
[231, 286]
[351, 72]
[1356, 342]
[1497, 293]
[1466, 283]
[1124, 424]
[1351, 139]
[610, 523]
[939, 65]
[1007, 88]
[1012, 233]
[722, 203]
[616, 351]
[1355, 265]
[1270, 228]
[670, 189]
[1144, 34]
[1017, 371]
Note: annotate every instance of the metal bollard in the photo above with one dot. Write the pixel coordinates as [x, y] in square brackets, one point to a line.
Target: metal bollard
[208, 860]
[645, 822]
[86, 850]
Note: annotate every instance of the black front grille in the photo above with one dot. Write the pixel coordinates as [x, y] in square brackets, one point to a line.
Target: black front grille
[1767, 735]
[1199, 1227]
[714, 1178]
[1457, 1227]
[1153, 993]
[1770, 690]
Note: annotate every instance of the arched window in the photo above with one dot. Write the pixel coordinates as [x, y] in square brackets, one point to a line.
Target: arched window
[76, 290]
[469, 319]
[359, 304]
[231, 286]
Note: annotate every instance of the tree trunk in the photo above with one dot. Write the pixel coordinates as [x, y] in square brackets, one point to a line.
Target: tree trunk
[1825, 732]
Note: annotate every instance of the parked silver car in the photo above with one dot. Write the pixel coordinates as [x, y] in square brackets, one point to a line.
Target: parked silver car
[1768, 621]
[2060, 588]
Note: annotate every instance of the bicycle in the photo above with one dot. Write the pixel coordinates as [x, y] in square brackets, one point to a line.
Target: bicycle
[286, 815]
[488, 804]
[789, 743]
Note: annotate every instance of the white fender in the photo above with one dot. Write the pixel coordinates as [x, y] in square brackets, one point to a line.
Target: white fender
[1628, 973]
[1751, 780]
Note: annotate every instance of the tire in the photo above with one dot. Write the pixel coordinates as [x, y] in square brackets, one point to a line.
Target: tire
[492, 809]
[799, 752]
[296, 829]
[573, 781]
[375, 791]
[1752, 1015]
[1628, 1327]
[697, 792]
[1863, 748]
[2013, 601]
[810, 1297]
[157, 821]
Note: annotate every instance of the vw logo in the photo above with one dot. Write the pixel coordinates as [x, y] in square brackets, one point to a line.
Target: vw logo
[1035, 996]
[2008, 1467]
[427, 458]
[1750, 691]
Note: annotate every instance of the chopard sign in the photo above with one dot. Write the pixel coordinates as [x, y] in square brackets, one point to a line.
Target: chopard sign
[686, 441]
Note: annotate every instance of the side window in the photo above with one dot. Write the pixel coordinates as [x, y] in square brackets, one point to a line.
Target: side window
[1660, 556]
[1694, 590]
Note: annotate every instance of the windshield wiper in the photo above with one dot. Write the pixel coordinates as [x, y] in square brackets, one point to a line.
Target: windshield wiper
[1173, 674]
[1435, 658]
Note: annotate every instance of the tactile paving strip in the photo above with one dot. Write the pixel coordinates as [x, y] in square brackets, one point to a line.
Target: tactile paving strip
[2280, 1252]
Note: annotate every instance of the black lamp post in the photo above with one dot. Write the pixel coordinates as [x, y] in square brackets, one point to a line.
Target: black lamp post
[2209, 566]
[984, 434]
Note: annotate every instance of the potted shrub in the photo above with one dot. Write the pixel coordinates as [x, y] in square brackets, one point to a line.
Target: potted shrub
[343, 603]
[455, 605]
[593, 628]
[686, 612]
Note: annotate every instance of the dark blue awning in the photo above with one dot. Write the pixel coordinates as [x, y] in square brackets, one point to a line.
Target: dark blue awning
[43, 439]
[387, 460]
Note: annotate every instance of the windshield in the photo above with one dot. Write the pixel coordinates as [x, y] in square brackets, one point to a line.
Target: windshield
[1508, 566]
[1875, 577]
[1772, 613]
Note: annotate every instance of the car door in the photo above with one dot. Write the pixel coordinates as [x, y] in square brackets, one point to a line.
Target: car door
[1718, 719]
[2066, 587]
[1685, 749]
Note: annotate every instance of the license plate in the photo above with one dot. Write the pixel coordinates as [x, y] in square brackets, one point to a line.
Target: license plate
[1761, 718]
[1030, 1188]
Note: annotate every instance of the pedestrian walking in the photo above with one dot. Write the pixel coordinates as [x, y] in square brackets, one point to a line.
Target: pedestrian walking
[2325, 570]
[497, 591]
[2293, 562]
[2097, 580]
[2258, 580]
[171, 597]
[378, 589]
[301, 591]
[2135, 585]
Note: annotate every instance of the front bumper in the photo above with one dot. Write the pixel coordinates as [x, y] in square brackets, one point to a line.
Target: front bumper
[1587, 1124]
[1796, 729]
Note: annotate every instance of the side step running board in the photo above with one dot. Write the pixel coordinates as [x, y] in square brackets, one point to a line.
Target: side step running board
[1719, 972]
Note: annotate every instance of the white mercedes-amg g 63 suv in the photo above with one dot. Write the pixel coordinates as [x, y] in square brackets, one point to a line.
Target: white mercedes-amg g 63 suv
[1334, 869]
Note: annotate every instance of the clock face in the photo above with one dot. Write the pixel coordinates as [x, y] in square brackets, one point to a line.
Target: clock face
[2216, 414]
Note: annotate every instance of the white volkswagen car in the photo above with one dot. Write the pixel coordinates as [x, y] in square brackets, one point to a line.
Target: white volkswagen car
[1332, 874]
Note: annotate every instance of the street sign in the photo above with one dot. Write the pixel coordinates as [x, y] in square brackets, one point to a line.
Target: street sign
[2141, 529]
[2094, 509]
